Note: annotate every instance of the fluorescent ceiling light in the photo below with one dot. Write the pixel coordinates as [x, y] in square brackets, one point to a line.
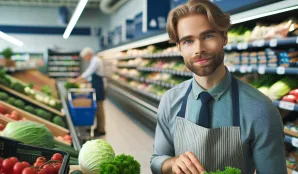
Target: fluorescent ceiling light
[74, 19]
[264, 15]
[11, 39]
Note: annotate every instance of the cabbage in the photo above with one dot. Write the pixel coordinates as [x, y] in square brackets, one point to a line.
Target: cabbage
[93, 153]
[30, 133]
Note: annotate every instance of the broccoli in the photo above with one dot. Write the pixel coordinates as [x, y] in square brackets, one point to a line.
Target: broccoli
[30, 109]
[2, 72]
[126, 164]
[11, 100]
[3, 96]
[59, 121]
[43, 114]
[47, 90]
[5, 81]
[228, 170]
[18, 87]
[19, 103]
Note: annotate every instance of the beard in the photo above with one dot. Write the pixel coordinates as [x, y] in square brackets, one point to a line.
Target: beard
[206, 70]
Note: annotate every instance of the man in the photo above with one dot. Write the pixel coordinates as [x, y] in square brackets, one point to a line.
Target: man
[96, 71]
[213, 120]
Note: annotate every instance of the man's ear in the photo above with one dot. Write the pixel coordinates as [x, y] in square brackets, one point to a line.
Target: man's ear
[225, 38]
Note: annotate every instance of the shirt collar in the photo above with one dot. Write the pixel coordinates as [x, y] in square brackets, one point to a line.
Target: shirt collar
[217, 91]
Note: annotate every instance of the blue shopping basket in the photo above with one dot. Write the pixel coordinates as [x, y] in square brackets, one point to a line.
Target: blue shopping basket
[82, 116]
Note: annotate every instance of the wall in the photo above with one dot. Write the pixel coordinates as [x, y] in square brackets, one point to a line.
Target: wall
[41, 16]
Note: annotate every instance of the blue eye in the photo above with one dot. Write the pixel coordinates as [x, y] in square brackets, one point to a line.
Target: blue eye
[208, 37]
[188, 41]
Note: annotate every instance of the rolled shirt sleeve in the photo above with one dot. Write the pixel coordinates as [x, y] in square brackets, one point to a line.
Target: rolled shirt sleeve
[163, 143]
[268, 143]
[92, 68]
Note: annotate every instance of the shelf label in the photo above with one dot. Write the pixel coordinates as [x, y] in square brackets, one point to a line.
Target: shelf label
[273, 42]
[295, 142]
[287, 105]
[243, 68]
[261, 69]
[280, 70]
[229, 47]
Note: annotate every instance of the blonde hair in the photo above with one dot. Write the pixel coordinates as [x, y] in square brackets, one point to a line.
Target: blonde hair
[86, 51]
[217, 18]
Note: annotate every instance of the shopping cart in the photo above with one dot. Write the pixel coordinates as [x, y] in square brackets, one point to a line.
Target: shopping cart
[82, 107]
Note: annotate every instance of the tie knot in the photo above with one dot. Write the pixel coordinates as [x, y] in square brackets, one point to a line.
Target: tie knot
[205, 97]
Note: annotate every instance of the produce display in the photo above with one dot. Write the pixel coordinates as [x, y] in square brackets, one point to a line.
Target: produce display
[69, 85]
[64, 66]
[228, 170]
[13, 165]
[31, 109]
[28, 90]
[36, 134]
[98, 156]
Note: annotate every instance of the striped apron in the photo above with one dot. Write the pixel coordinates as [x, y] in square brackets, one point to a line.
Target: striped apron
[215, 148]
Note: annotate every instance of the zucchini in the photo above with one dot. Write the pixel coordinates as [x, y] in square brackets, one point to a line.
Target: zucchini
[67, 149]
[73, 161]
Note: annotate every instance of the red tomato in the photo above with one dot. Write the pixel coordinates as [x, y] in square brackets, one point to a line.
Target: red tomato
[2, 109]
[14, 117]
[26, 164]
[7, 165]
[14, 113]
[67, 138]
[18, 168]
[294, 92]
[7, 115]
[41, 172]
[57, 167]
[38, 164]
[2, 127]
[14, 159]
[29, 170]
[290, 98]
[49, 169]
[57, 157]
[41, 159]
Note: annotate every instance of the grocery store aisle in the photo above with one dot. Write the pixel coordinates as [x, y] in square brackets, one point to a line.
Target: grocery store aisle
[128, 135]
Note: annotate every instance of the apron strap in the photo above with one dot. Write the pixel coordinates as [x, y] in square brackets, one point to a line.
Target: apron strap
[182, 111]
[235, 102]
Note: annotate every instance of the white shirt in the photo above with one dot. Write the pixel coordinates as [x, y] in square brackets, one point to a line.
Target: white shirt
[95, 66]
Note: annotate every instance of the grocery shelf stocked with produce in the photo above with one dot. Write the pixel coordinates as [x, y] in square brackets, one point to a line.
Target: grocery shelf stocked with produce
[63, 65]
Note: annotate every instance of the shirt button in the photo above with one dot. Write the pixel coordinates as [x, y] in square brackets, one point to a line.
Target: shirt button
[216, 97]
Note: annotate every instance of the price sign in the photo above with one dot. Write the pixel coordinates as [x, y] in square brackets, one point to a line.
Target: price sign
[281, 70]
[287, 105]
[242, 46]
[273, 43]
[261, 70]
[295, 142]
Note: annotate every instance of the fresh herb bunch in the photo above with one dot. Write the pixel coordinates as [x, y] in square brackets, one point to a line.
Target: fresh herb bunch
[228, 170]
[122, 164]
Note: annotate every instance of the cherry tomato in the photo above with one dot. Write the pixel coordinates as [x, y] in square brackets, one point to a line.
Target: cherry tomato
[57, 157]
[29, 170]
[2, 126]
[7, 165]
[41, 172]
[14, 113]
[14, 117]
[18, 168]
[67, 137]
[49, 169]
[26, 164]
[41, 159]
[37, 164]
[14, 159]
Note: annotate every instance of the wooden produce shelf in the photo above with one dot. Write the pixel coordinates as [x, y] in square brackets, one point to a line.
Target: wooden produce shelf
[55, 129]
[48, 108]
[289, 132]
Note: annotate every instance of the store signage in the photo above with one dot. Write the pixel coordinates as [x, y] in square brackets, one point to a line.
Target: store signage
[117, 33]
[138, 23]
[128, 30]
[156, 12]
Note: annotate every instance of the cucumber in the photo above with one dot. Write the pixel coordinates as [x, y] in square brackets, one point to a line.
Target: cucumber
[67, 149]
[73, 161]
[77, 172]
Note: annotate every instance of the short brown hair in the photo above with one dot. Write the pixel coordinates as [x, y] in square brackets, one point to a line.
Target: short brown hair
[218, 19]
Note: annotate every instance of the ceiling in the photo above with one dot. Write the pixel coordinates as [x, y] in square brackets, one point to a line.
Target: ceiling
[49, 3]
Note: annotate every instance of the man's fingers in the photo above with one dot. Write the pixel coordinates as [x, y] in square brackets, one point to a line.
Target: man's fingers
[189, 164]
[195, 161]
[177, 170]
[183, 167]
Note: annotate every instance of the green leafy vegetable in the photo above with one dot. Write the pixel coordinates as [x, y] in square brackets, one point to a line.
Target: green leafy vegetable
[228, 170]
[122, 164]
[47, 90]
[69, 85]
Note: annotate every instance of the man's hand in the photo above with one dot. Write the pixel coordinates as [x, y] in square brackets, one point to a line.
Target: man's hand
[72, 80]
[186, 163]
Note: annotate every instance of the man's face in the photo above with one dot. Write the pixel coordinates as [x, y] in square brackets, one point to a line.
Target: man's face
[200, 44]
[88, 57]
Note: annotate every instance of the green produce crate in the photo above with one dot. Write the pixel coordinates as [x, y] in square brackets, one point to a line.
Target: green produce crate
[9, 148]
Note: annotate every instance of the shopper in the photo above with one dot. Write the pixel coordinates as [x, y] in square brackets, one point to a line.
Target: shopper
[96, 72]
[213, 120]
